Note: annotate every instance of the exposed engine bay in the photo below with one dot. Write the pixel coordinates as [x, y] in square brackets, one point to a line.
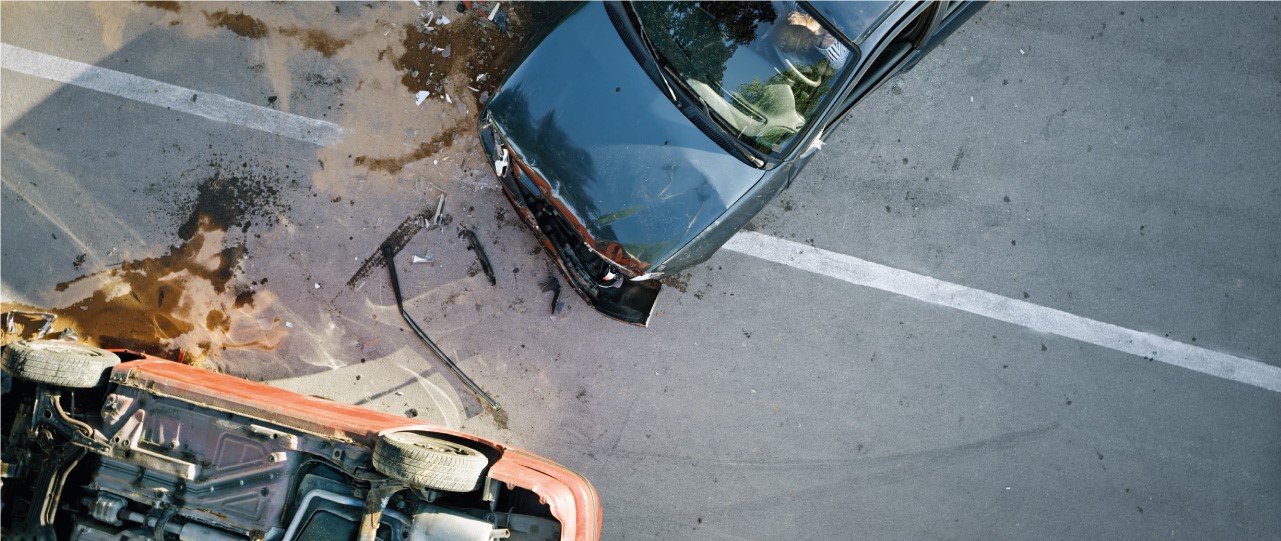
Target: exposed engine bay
[125, 459]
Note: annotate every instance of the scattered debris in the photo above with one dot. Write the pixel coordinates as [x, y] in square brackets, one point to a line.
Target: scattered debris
[67, 335]
[553, 285]
[289, 324]
[389, 255]
[422, 96]
[12, 315]
[411, 412]
[442, 20]
[440, 209]
[494, 11]
[425, 258]
[474, 245]
[317, 286]
[448, 99]
[500, 19]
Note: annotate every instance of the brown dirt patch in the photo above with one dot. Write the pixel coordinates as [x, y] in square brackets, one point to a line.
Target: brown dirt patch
[167, 6]
[317, 40]
[243, 25]
[393, 165]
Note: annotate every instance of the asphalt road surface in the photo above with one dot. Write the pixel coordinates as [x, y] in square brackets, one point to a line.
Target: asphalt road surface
[951, 343]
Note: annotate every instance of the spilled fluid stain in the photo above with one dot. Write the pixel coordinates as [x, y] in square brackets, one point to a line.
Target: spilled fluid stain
[183, 305]
[191, 303]
[243, 25]
[317, 40]
[394, 164]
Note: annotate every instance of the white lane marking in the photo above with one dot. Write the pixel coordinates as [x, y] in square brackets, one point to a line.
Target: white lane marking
[211, 106]
[1039, 318]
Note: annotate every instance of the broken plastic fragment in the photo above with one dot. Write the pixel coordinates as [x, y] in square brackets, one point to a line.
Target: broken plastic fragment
[448, 50]
[443, 20]
[495, 10]
[289, 324]
[422, 96]
[317, 286]
[481, 78]
[447, 99]
[425, 258]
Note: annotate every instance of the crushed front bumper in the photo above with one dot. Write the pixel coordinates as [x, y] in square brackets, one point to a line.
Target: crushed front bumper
[629, 301]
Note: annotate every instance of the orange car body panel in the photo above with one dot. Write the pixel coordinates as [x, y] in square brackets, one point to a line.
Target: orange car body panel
[571, 498]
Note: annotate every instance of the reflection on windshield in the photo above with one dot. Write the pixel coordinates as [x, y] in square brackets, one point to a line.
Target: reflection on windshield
[761, 68]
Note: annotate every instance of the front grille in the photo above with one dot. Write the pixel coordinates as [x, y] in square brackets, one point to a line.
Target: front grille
[586, 266]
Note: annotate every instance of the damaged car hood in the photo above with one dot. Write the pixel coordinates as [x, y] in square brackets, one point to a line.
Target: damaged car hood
[612, 149]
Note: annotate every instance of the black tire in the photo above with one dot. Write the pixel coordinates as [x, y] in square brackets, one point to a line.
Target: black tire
[58, 363]
[421, 460]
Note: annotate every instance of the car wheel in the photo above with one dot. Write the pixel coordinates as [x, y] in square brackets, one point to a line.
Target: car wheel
[422, 460]
[58, 363]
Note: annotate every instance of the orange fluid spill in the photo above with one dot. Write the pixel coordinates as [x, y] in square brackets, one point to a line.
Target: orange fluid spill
[184, 305]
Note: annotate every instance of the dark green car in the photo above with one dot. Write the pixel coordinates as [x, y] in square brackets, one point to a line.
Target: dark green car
[636, 139]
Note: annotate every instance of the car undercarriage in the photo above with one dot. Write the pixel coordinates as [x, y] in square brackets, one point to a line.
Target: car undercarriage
[142, 453]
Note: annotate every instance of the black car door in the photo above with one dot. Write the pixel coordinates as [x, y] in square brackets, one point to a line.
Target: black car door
[898, 50]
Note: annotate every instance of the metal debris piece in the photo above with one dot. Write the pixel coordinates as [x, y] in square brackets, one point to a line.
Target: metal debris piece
[553, 285]
[501, 20]
[440, 209]
[11, 316]
[492, 12]
[443, 20]
[422, 96]
[389, 255]
[425, 258]
[474, 245]
[67, 335]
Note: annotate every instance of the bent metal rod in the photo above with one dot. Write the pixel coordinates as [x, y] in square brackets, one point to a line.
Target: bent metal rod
[389, 254]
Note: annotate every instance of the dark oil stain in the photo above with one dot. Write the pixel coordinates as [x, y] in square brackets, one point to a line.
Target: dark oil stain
[678, 281]
[395, 164]
[317, 40]
[243, 25]
[167, 6]
[233, 201]
[397, 240]
[956, 164]
[499, 415]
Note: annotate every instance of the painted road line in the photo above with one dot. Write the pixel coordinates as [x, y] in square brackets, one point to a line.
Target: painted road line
[211, 106]
[1025, 314]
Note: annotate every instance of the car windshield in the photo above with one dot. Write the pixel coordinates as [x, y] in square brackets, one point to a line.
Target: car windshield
[761, 69]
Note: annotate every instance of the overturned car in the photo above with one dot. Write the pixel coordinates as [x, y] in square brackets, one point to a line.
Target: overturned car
[116, 445]
[637, 138]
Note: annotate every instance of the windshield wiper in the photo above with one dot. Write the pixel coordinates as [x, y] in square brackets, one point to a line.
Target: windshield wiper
[660, 63]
